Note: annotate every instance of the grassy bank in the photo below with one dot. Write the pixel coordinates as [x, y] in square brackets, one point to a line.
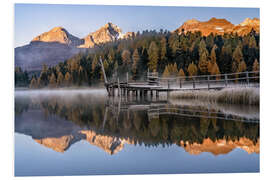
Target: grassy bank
[242, 95]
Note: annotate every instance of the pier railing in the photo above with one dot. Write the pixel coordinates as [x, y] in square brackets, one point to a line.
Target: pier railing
[208, 81]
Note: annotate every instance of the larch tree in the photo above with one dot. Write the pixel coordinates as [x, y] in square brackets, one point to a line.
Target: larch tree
[135, 59]
[60, 79]
[203, 63]
[242, 66]
[215, 70]
[181, 74]
[237, 58]
[126, 57]
[192, 69]
[163, 49]
[213, 59]
[203, 57]
[153, 55]
[68, 79]
[174, 70]
[166, 72]
[256, 66]
[52, 82]
[252, 42]
[33, 83]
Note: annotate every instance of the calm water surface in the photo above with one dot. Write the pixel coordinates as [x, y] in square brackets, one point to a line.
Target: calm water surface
[82, 132]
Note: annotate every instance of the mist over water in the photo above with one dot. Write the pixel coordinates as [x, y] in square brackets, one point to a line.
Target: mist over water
[84, 132]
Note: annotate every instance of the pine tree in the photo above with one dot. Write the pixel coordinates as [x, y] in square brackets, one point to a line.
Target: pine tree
[153, 56]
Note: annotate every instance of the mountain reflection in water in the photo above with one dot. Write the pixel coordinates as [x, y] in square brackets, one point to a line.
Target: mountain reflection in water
[57, 121]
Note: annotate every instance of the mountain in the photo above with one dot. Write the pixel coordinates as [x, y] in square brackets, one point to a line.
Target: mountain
[107, 33]
[60, 35]
[219, 26]
[247, 25]
[57, 45]
[48, 48]
[221, 146]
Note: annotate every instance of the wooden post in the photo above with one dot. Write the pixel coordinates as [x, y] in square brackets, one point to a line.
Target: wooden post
[208, 78]
[127, 78]
[145, 93]
[247, 78]
[157, 94]
[103, 70]
[168, 84]
[147, 74]
[226, 81]
[180, 83]
[118, 82]
[193, 82]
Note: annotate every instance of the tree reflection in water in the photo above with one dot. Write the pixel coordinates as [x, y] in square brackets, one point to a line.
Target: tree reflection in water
[59, 121]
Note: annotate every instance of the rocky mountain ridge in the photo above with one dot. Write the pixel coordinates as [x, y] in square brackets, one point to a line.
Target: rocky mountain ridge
[219, 26]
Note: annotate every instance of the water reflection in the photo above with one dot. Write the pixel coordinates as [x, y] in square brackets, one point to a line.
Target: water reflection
[58, 120]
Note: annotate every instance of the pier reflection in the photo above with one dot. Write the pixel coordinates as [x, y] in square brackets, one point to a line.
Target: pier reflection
[57, 122]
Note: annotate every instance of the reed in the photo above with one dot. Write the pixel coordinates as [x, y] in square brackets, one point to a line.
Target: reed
[242, 95]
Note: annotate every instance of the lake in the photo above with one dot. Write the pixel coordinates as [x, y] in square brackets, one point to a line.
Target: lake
[83, 132]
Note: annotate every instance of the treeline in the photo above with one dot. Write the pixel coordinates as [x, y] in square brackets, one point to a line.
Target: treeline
[21, 77]
[167, 53]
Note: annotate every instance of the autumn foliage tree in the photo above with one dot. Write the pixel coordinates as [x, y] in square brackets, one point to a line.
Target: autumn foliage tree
[192, 69]
[163, 52]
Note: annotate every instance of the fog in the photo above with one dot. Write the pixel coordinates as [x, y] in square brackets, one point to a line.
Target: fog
[61, 93]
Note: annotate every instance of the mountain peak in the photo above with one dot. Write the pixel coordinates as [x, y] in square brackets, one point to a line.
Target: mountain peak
[250, 22]
[192, 21]
[58, 28]
[107, 33]
[57, 34]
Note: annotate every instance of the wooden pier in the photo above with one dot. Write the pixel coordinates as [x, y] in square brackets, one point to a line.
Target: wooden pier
[154, 84]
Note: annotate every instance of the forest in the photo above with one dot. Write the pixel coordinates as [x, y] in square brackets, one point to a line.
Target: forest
[169, 54]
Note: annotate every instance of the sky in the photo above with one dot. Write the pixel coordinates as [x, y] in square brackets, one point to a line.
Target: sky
[32, 20]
